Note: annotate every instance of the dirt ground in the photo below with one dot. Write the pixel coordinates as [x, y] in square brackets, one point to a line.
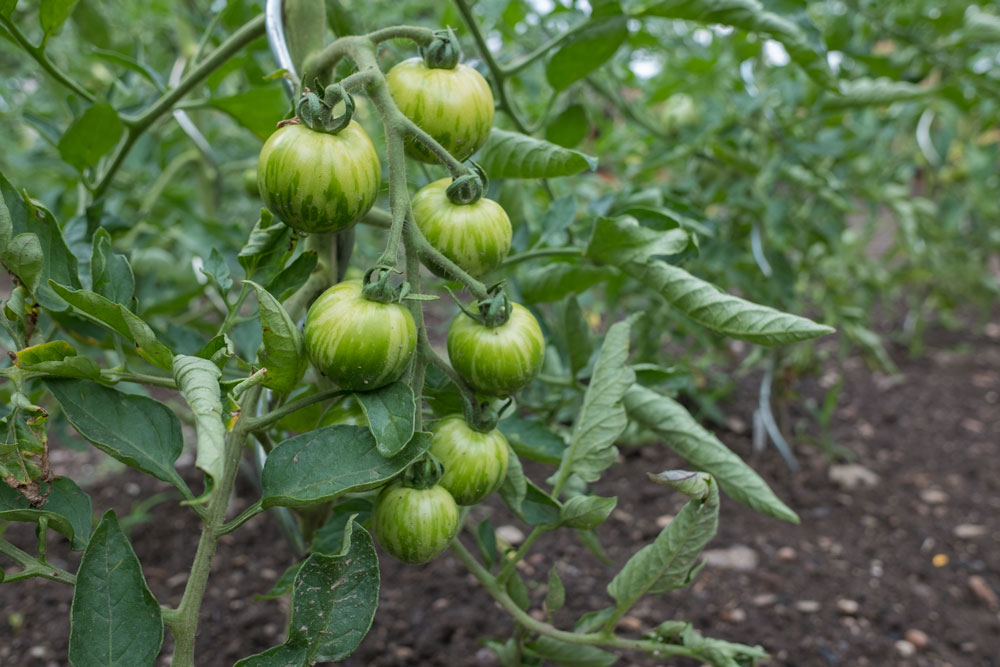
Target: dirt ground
[896, 562]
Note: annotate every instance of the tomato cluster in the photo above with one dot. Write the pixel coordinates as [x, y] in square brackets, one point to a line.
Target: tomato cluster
[321, 178]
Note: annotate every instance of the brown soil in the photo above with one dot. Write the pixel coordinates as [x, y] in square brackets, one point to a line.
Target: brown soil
[865, 569]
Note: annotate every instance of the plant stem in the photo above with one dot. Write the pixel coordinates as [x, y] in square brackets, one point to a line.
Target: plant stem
[542, 252]
[234, 310]
[184, 624]
[511, 564]
[33, 567]
[494, 588]
[38, 54]
[420, 35]
[138, 124]
[241, 519]
[252, 424]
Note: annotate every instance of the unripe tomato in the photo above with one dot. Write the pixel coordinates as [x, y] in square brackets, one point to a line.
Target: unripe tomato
[359, 344]
[475, 236]
[497, 361]
[455, 106]
[318, 182]
[475, 463]
[415, 525]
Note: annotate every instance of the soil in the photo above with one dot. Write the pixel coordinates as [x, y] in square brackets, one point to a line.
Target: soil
[904, 563]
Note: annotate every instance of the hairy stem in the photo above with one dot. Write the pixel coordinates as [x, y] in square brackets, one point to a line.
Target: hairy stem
[33, 567]
[252, 424]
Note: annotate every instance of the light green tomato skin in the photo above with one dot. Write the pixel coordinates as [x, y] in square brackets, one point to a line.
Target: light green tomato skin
[317, 182]
[475, 463]
[359, 344]
[497, 361]
[415, 525]
[475, 236]
[455, 106]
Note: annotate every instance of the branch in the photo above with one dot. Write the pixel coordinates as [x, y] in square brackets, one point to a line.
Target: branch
[33, 567]
[38, 54]
[252, 424]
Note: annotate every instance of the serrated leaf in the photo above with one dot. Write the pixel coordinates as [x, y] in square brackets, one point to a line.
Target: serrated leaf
[392, 415]
[602, 417]
[20, 216]
[329, 462]
[714, 309]
[257, 109]
[68, 510]
[114, 619]
[571, 655]
[119, 319]
[282, 350]
[667, 563]
[110, 273]
[333, 603]
[586, 50]
[751, 16]
[586, 512]
[136, 430]
[91, 136]
[198, 381]
[620, 240]
[532, 440]
[557, 280]
[682, 433]
[23, 257]
[514, 155]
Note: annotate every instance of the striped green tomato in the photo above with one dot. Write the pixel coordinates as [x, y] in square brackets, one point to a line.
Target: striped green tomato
[357, 343]
[497, 361]
[475, 236]
[318, 182]
[415, 525]
[455, 106]
[475, 463]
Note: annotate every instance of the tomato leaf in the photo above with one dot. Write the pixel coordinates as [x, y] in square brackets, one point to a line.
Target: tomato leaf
[587, 49]
[620, 240]
[68, 510]
[113, 612]
[513, 155]
[570, 127]
[670, 561]
[486, 539]
[22, 255]
[683, 434]
[329, 539]
[586, 512]
[198, 381]
[571, 655]
[533, 440]
[283, 352]
[576, 332]
[258, 109]
[873, 92]
[602, 418]
[91, 136]
[329, 462]
[392, 414]
[266, 247]
[557, 280]
[136, 430]
[53, 13]
[57, 358]
[293, 276]
[110, 273]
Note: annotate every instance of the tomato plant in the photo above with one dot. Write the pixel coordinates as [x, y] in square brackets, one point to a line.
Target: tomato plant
[748, 156]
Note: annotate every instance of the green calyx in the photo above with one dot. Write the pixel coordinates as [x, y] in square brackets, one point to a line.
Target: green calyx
[482, 417]
[423, 474]
[494, 310]
[443, 52]
[377, 286]
[469, 188]
[316, 112]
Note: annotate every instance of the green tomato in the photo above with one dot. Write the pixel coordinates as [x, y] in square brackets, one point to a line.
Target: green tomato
[318, 182]
[357, 343]
[497, 361]
[454, 106]
[475, 236]
[475, 463]
[415, 525]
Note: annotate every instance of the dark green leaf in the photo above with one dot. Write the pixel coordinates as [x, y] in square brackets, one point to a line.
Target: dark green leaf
[392, 414]
[518, 591]
[293, 276]
[571, 655]
[486, 538]
[53, 13]
[593, 620]
[329, 539]
[114, 620]
[586, 512]
[136, 430]
[22, 255]
[533, 440]
[122, 60]
[91, 136]
[513, 155]
[257, 109]
[586, 50]
[617, 241]
[217, 270]
[555, 593]
[266, 247]
[679, 430]
[67, 509]
[329, 462]
[570, 127]
[554, 281]
[283, 353]
[110, 273]
[576, 331]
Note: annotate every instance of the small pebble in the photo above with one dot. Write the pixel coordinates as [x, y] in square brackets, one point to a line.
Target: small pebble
[510, 534]
[847, 607]
[905, 649]
[735, 615]
[37, 651]
[983, 592]
[968, 531]
[787, 554]
[918, 638]
[807, 606]
[764, 600]
[934, 496]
